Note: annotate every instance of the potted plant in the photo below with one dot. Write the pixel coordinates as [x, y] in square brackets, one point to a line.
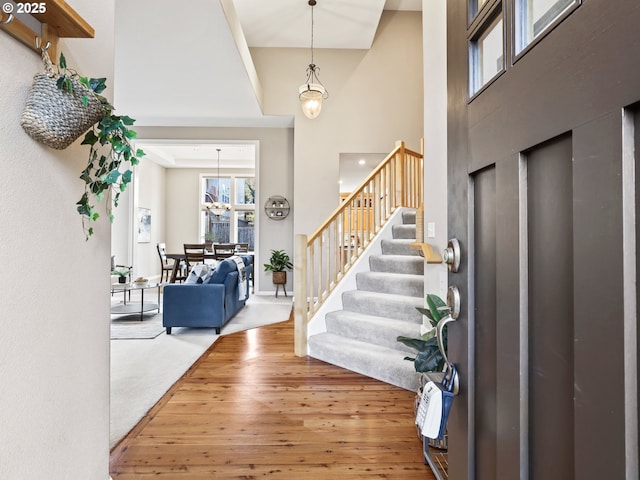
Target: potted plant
[279, 263]
[78, 108]
[122, 273]
[429, 358]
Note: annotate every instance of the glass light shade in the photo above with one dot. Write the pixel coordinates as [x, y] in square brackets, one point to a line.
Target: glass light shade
[311, 99]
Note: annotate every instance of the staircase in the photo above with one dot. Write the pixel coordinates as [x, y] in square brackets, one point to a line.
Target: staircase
[362, 336]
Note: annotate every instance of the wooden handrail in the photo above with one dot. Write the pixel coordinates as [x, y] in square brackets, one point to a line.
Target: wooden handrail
[322, 259]
[356, 192]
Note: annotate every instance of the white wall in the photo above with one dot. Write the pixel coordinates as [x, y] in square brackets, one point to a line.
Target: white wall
[435, 137]
[375, 99]
[54, 347]
[149, 192]
[274, 176]
[121, 228]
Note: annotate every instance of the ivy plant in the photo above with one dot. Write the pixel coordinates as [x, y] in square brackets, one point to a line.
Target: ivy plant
[429, 358]
[111, 155]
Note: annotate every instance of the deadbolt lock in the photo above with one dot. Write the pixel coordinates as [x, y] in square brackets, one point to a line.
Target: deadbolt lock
[451, 255]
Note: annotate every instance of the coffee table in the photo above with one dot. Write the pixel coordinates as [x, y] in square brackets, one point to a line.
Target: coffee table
[134, 307]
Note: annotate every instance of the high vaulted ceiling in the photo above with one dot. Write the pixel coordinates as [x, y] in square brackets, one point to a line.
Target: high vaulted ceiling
[191, 66]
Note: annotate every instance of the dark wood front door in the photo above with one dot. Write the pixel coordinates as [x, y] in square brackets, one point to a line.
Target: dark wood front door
[543, 136]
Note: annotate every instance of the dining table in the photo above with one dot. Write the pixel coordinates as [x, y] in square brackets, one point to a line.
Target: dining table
[178, 258]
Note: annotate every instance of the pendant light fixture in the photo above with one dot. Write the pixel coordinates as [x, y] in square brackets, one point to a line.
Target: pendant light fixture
[216, 207]
[312, 92]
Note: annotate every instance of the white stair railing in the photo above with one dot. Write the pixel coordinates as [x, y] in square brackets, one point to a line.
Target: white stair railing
[322, 259]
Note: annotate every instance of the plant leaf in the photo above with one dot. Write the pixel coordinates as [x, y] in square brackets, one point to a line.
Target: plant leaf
[86, 177]
[131, 134]
[98, 85]
[127, 120]
[126, 176]
[430, 334]
[84, 209]
[428, 360]
[63, 61]
[418, 344]
[426, 313]
[435, 303]
[112, 177]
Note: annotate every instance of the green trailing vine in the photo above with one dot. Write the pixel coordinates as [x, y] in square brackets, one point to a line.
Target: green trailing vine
[111, 155]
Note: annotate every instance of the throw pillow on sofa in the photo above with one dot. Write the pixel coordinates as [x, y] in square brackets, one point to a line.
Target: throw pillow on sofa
[200, 273]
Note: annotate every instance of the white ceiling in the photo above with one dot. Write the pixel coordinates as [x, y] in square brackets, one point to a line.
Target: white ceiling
[355, 167]
[287, 23]
[151, 64]
[183, 154]
[337, 23]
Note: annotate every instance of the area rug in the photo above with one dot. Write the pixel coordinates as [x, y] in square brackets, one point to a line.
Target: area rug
[130, 327]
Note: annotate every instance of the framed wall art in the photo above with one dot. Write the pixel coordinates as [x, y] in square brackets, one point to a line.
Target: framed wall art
[144, 225]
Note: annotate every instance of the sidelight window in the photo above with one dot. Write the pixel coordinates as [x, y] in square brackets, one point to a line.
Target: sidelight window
[475, 6]
[486, 54]
[533, 18]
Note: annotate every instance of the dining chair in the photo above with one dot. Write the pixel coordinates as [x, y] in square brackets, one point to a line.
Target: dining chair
[193, 253]
[126, 269]
[242, 247]
[224, 250]
[167, 268]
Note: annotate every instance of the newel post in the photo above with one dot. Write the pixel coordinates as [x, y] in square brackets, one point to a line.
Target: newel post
[400, 176]
[300, 309]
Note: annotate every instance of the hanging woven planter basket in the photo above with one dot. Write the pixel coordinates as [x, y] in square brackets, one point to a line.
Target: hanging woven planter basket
[57, 117]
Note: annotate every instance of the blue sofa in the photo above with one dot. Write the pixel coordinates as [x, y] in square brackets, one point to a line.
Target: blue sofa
[210, 304]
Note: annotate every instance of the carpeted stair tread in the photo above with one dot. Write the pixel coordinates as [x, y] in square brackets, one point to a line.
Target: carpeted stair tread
[384, 364]
[387, 305]
[397, 264]
[362, 337]
[372, 329]
[397, 283]
[399, 246]
[409, 216]
[404, 231]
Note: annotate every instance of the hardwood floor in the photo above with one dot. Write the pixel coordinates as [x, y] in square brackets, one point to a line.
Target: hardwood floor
[249, 408]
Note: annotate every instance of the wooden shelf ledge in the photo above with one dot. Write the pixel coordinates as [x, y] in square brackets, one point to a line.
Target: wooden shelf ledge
[59, 21]
[65, 20]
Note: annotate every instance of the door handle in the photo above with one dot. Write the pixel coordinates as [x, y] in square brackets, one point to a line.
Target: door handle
[453, 301]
